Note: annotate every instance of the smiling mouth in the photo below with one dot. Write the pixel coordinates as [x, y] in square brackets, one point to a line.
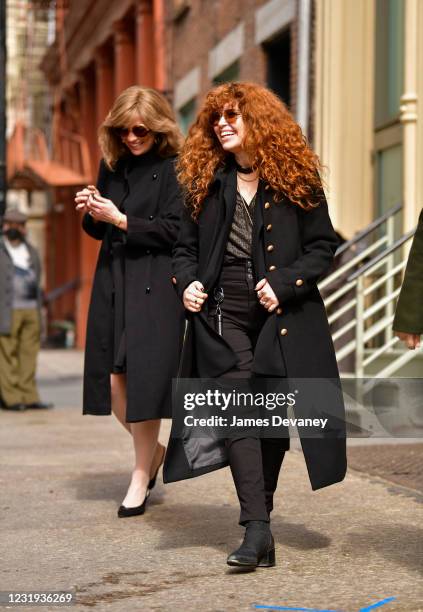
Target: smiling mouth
[226, 134]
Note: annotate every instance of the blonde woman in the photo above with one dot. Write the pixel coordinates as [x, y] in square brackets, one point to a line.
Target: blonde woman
[134, 320]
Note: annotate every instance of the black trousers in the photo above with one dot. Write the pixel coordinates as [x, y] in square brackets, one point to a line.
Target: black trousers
[255, 463]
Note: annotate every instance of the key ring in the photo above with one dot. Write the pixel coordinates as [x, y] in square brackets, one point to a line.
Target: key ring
[218, 296]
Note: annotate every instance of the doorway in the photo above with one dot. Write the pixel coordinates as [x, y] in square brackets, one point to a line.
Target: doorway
[278, 55]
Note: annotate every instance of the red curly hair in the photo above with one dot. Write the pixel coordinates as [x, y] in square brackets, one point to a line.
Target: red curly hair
[273, 140]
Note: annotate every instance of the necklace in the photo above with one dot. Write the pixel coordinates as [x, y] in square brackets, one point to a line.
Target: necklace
[247, 170]
[247, 180]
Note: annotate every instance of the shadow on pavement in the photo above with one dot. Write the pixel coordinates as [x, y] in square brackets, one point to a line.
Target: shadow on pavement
[216, 526]
[189, 524]
[399, 543]
[101, 485]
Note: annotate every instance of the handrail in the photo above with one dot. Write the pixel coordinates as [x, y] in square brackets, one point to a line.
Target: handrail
[381, 256]
[350, 264]
[369, 229]
[361, 297]
[393, 367]
[385, 277]
[338, 294]
[380, 351]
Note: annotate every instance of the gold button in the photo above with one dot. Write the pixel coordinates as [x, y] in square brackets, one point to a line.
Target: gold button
[270, 248]
[267, 205]
[279, 311]
[271, 268]
[299, 282]
[267, 187]
[284, 331]
[268, 227]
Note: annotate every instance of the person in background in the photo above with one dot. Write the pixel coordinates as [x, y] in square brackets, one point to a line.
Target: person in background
[408, 321]
[20, 325]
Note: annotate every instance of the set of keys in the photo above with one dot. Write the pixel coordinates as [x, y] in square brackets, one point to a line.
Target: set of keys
[218, 296]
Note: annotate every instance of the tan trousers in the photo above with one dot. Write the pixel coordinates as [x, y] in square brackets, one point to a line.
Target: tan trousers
[18, 358]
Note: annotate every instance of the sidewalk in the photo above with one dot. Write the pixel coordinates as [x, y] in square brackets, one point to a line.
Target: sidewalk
[59, 364]
[63, 476]
[397, 460]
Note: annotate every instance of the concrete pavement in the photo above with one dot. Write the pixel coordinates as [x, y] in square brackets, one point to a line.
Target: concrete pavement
[63, 476]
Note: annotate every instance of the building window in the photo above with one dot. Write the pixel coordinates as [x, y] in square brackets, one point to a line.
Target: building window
[278, 56]
[389, 78]
[389, 59]
[389, 177]
[186, 115]
[231, 73]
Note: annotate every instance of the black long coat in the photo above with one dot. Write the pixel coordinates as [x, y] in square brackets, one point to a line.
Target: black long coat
[153, 314]
[293, 248]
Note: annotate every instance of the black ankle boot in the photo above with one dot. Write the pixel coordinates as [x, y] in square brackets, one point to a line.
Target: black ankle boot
[257, 548]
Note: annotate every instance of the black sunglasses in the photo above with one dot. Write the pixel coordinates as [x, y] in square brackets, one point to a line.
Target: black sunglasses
[230, 115]
[138, 130]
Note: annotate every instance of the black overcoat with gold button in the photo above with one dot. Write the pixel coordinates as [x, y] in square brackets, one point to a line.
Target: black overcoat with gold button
[147, 190]
[292, 248]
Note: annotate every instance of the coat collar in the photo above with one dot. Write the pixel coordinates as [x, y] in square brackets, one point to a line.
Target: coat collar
[227, 174]
[222, 173]
[135, 174]
[130, 161]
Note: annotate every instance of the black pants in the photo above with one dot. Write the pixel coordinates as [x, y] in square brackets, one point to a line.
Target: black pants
[255, 463]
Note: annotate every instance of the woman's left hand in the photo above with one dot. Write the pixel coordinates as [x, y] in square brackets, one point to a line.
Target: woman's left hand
[266, 295]
[411, 340]
[102, 209]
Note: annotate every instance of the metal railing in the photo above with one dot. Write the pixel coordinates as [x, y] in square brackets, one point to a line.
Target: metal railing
[360, 296]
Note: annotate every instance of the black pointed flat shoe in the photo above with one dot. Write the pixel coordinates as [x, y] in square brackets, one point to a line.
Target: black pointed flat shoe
[40, 406]
[125, 512]
[152, 482]
[15, 407]
[257, 548]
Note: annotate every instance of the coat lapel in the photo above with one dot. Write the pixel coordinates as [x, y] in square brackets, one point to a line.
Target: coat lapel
[229, 196]
[257, 244]
[225, 213]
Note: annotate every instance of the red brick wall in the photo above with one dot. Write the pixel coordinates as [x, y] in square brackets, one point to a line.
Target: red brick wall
[206, 23]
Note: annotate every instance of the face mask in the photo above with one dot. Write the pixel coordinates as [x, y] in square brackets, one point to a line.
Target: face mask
[14, 234]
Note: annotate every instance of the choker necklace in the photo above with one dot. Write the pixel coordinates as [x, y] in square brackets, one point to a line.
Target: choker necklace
[242, 178]
[242, 170]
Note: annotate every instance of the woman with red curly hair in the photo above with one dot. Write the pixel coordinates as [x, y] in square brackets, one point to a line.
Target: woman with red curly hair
[255, 238]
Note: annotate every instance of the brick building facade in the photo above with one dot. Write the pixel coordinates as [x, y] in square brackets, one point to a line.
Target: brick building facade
[181, 47]
[100, 49]
[211, 42]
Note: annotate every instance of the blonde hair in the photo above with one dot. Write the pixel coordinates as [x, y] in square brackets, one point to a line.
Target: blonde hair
[156, 114]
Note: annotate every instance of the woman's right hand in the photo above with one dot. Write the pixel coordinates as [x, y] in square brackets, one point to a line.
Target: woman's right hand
[81, 197]
[194, 296]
